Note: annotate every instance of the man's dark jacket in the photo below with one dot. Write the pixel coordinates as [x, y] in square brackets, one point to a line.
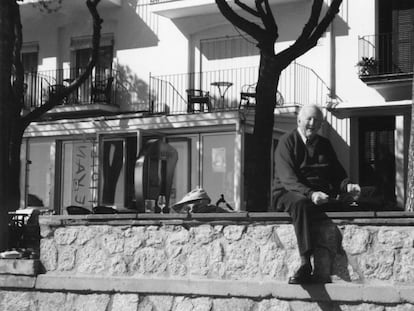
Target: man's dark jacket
[305, 168]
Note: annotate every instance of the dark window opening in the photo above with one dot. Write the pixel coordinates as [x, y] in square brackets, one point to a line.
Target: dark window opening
[32, 86]
[103, 65]
[377, 158]
[396, 42]
[117, 167]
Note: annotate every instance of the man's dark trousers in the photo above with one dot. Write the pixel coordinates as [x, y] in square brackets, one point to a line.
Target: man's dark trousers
[303, 212]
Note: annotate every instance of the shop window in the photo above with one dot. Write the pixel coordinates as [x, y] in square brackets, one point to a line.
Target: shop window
[78, 174]
[118, 156]
[182, 176]
[39, 174]
[218, 166]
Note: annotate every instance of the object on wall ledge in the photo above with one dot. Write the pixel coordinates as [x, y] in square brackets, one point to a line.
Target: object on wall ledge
[198, 201]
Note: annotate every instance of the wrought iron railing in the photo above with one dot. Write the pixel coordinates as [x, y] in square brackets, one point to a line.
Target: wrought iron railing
[101, 87]
[298, 85]
[386, 54]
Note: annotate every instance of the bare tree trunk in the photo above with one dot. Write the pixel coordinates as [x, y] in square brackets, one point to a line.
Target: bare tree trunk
[409, 204]
[260, 179]
[12, 125]
[6, 60]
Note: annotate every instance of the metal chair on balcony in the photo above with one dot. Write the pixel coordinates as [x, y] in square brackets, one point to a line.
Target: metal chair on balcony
[70, 99]
[101, 91]
[248, 97]
[198, 100]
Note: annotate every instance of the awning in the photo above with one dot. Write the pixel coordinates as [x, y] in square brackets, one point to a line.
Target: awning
[366, 108]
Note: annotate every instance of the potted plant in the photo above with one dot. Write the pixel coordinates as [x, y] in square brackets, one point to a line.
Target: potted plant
[367, 66]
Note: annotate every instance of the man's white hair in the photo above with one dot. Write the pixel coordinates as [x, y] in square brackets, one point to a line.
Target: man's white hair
[310, 106]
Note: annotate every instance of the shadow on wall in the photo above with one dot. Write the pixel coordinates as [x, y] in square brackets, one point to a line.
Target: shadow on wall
[339, 144]
[132, 92]
[138, 27]
[330, 258]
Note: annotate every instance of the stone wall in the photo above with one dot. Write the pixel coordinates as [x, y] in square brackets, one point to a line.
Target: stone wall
[232, 251]
[44, 301]
[214, 262]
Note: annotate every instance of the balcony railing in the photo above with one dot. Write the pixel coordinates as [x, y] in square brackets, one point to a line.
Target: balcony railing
[298, 85]
[386, 54]
[101, 87]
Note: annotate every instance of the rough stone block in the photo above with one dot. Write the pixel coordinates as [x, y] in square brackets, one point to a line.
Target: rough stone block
[125, 302]
[225, 304]
[356, 240]
[51, 301]
[17, 301]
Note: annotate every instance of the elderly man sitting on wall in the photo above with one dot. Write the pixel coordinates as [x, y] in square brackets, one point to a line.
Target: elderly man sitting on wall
[308, 175]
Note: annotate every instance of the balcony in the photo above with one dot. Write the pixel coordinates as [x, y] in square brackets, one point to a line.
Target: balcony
[103, 92]
[183, 8]
[97, 96]
[386, 63]
[298, 85]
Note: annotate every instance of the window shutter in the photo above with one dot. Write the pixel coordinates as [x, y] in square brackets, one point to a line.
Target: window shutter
[403, 43]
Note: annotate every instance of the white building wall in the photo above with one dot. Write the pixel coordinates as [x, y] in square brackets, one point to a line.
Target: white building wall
[157, 45]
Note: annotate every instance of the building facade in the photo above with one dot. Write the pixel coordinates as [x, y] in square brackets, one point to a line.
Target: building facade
[179, 71]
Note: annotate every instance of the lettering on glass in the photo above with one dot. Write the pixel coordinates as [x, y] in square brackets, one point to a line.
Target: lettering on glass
[82, 170]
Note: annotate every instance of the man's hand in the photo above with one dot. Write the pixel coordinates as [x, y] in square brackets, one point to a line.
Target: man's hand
[319, 198]
[354, 190]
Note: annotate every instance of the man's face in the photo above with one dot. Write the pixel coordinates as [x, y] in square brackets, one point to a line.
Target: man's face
[310, 121]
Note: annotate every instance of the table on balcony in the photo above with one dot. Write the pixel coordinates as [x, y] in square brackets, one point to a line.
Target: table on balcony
[223, 87]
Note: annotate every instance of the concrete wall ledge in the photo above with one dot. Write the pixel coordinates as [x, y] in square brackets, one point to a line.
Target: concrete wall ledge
[17, 281]
[337, 291]
[398, 218]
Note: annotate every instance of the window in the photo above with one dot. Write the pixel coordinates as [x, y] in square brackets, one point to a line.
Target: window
[396, 44]
[102, 74]
[78, 182]
[182, 175]
[30, 61]
[118, 156]
[40, 175]
[377, 157]
[218, 166]
[104, 64]
[32, 85]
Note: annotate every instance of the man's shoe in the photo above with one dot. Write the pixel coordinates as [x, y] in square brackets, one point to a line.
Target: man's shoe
[302, 275]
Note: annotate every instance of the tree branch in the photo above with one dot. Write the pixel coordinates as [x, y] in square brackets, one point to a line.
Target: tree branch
[245, 25]
[245, 7]
[312, 21]
[303, 45]
[268, 19]
[326, 21]
[55, 98]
